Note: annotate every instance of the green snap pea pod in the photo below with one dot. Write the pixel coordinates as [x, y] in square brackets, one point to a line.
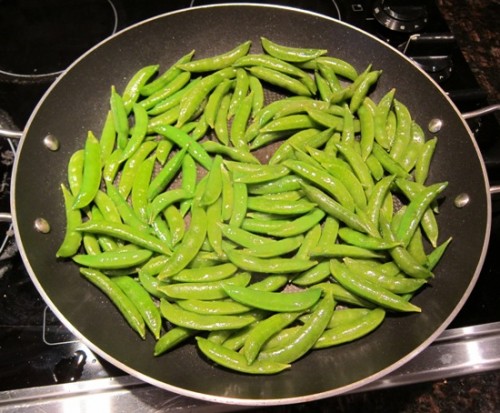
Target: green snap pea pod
[338, 66]
[160, 229]
[242, 237]
[402, 257]
[241, 88]
[120, 118]
[279, 207]
[423, 161]
[143, 302]
[139, 193]
[255, 173]
[227, 194]
[389, 163]
[75, 171]
[357, 164]
[308, 242]
[304, 105]
[278, 185]
[380, 119]
[337, 211]
[271, 63]
[107, 139]
[403, 132]
[190, 245]
[72, 238]
[171, 339]
[264, 330]
[167, 174]
[214, 232]
[215, 99]
[369, 290]
[366, 113]
[118, 298]
[415, 146]
[111, 260]
[138, 132]
[274, 301]
[334, 187]
[347, 315]
[343, 173]
[258, 95]
[163, 150]
[321, 117]
[239, 124]
[290, 54]
[240, 196]
[270, 283]
[306, 337]
[330, 77]
[107, 207]
[435, 256]
[129, 170]
[280, 338]
[234, 153]
[150, 284]
[344, 250]
[417, 207]
[134, 87]
[192, 100]
[126, 233]
[209, 290]
[307, 137]
[168, 117]
[125, 210]
[154, 265]
[280, 80]
[277, 248]
[189, 178]
[362, 89]
[176, 84]
[290, 123]
[176, 224]
[268, 265]
[284, 228]
[329, 232]
[373, 268]
[375, 167]
[235, 361]
[348, 332]
[221, 128]
[314, 275]
[353, 237]
[91, 178]
[343, 295]
[107, 243]
[206, 274]
[322, 86]
[394, 283]
[217, 62]
[183, 140]
[377, 197]
[173, 97]
[416, 247]
[213, 187]
[187, 319]
[164, 200]
[213, 307]
[166, 77]
[91, 244]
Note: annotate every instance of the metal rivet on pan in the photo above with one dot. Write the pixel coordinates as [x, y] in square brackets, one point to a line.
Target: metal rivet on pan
[41, 225]
[435, 125]
[462, 200]
[51, 142]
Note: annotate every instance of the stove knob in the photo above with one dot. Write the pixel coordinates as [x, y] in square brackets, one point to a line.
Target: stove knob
[401, 15]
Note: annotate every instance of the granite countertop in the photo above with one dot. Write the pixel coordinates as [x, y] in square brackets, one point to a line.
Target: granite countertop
[475, 25]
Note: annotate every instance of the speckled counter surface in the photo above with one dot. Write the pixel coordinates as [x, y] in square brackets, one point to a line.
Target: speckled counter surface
[476, 26]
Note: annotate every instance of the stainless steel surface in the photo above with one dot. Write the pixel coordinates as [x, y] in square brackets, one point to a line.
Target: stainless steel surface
[456, 352]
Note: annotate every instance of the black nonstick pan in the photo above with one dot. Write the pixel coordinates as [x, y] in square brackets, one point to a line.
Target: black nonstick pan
[78, 101]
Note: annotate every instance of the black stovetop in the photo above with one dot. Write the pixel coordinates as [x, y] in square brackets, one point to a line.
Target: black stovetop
[35, 349]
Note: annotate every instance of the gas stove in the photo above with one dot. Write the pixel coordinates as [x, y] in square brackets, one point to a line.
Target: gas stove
[41, 363]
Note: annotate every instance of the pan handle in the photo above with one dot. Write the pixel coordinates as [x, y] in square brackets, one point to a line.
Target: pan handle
[481, 112]
[5, 217]
[6, 133]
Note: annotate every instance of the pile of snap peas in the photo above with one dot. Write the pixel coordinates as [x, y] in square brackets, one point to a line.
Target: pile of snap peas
[261, 205]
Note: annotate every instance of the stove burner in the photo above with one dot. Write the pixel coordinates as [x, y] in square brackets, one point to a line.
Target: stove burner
[40, 39]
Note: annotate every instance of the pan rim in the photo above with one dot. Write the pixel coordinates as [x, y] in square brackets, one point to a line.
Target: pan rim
[231, 400]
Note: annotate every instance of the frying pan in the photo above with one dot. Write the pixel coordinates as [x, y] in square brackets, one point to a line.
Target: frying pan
[77, 102]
